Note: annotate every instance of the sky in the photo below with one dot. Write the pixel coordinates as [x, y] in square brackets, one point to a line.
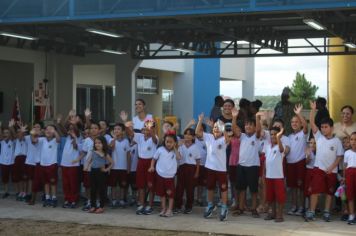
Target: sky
[272, 74]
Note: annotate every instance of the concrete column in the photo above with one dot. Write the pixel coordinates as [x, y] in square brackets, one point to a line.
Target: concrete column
[248, 85]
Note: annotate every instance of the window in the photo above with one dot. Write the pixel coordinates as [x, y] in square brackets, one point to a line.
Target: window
[167, 102]
[147, 84]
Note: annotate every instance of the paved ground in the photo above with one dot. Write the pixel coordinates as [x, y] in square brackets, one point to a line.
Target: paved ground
[243, 225]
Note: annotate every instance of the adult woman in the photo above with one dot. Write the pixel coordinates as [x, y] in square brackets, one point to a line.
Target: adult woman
[140, 117]
[346, 126]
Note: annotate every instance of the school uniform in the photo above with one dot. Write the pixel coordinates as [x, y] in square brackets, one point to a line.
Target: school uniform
[309, 175]
[134, 161]
[70, 171]
[146, 150]
[33, 168]
[6, 159]
[202, 171]
[328, 150]
[48, 160]
[118, 173]
[350, 173]
[185, 175]
[234, 159]
[87, 147]
[20, 158]
[166, 169]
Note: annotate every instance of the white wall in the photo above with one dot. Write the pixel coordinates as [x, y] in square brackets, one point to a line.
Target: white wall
[233, 68]
[173, 65]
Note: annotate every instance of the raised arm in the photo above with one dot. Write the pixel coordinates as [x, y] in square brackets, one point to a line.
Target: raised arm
[235, 128]
[199, 129]
[298, 111]
[258, 125]
[129, 130]
[279, 142]
[190, 124]
[313, 126]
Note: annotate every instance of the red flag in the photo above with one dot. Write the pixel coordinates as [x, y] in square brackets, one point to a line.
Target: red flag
[16, 115]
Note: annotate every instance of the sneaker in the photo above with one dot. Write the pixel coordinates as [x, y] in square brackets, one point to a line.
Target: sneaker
[66, 204]
[73, 205]
[168, 213]
[86, 207]
[345, 217]
[177, 210]
[113, 204]
[43, 197]
[292, 211]
[299, 212]
[351, 221]
[5, 195]
[309, 216]
[209, 211]
[223, 214]
[46, 203]
[187, 211]
[148, 210]
[18, 197]
[54, 202]
[162, 213]
[122, 204]
[327, 217]
[139, 210]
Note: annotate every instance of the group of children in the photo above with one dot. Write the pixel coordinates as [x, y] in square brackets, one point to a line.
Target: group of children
[263, 161]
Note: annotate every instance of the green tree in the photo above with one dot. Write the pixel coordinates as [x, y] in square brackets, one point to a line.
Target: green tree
[302, 90]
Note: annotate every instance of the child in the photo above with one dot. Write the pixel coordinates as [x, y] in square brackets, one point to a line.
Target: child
[188, 171]
[275, 189]
[350, 177]
[215, 165]
[96, 165]
[6, 157]
[233, 161]
[132, 175]
[48, 164]
[69, 170]
[147, 144]
[296, 161]
[310, 160]
[249, 164]
[19, 165]
[122, 165]
[166, 168]
[202, 170]
[329, 154]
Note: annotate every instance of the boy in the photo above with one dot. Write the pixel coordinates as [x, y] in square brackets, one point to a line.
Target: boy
[329, 152]
[6, 157]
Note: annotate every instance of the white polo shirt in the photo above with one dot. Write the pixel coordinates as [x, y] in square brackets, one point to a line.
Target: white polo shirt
[327, 151]
[189, 155]
[87, 147]
[216, 152]
[311, 163]
[166, 165]
[350, 159]
[139, 124]
[249, 150]
[69, 152]
[134, 157]
[119, 154]
[298, 143]
[274, 162]
[146, 147]
[20, 147]
[7, 152]
[33, 152]
[284, 139]
[49, 150]
[202, 148]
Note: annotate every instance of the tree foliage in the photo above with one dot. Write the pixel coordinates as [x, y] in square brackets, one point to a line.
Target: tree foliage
[302, 90]
[269, 102]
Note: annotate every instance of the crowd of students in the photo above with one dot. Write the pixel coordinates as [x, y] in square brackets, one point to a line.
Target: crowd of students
[129, 157]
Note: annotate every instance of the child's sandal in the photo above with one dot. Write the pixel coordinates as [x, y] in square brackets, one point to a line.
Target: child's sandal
[237, 212]
[92, 210]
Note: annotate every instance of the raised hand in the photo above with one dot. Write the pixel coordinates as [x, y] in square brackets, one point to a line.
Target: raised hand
[209, 122]
[123, 116]
[23, 128]
[298, 109]
[129, 124]
[72, 113]
[87, 112]
[59, 118]
[234, 112]
[280, 133]
[201, 117]
[191, 123]
[11, 123]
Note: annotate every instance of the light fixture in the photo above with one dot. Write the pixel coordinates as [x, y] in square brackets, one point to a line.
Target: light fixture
[105, 33]
[113, 52]
[20, 36]
[238, 42]
[314, 24]
[350, 45]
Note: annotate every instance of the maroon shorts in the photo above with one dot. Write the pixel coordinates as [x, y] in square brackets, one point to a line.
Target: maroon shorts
[262, 165]
[307, 182]
[350, 175]
[322, 182]
[49, 174]
[5, 173]
[202, 176]
[86, 179]
[132, 180]
[37, 183]
[275, 191]
[296, 174]
[214, 176]
[164, 186]
[143, 177]
[233, 175]
[118, 177]
[29, 172]
[18, 170]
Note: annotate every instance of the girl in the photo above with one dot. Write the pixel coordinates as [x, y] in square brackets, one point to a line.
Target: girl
[96, 163]
[188, 171]
[6, 157]
[166, 168]
[310, 159]
[350, 176]
[70, 170]
[233, 161]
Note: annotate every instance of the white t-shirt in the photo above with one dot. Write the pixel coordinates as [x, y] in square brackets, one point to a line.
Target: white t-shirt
[119, 154]
[20, 148]
[166, 165]
[311, 163]
[134, 157]
[87, 147]
[7, 152]
[139, 124]
[327, 150]
[202, 148]
[249, 149]
[274, 162]
[33, 152]
[49, 151]
[350, 159]
[216, 152]
[146, 147]
[189, 155]
[69, 152]
[298, 143]
[284, 139]
[108, 138]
